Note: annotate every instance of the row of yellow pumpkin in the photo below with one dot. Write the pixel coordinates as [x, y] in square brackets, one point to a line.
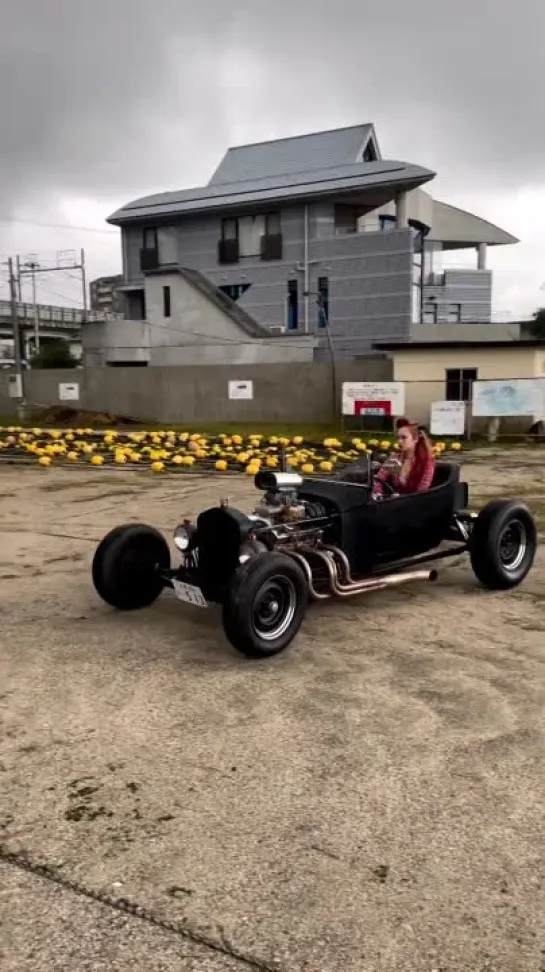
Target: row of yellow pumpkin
[164, 449]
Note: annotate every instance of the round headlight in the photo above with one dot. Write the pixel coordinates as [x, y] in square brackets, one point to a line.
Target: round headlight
[181, 538]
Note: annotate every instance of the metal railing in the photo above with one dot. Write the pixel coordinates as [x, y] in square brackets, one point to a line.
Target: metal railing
[50, 314]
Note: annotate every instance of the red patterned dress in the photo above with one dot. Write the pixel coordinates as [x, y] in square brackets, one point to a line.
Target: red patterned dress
[418, 479]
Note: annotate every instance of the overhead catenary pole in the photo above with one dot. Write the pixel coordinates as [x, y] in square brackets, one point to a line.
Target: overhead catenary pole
[33, 267]
[83, 285]
[35, 309]
[19, 389]
[19, 289]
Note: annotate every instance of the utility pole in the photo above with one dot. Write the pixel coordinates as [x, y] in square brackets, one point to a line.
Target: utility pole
[19, 388]
[19, 289]
[33, 266]
[83, 285]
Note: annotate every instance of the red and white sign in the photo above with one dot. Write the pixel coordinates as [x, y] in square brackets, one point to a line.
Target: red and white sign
[372, 408]
[373, 398]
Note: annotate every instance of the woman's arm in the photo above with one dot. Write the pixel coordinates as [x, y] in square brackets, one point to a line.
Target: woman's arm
[426, 478]
[381, 478]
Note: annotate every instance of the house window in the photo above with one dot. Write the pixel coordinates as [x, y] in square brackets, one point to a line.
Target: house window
[346, 219]
[249, 230]
[293, 305]
[234, 291]
[429, 312]
[416, 308]
[323, 301]
[454, 313]
[458, 384]
[149, 238]
[387, 223]
[272, 224]
[229, 229]
[166, 301]
[369, 154]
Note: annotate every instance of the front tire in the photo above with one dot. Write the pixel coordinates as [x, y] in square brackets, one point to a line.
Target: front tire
[265, 605]
[503, 544]
[127, 566]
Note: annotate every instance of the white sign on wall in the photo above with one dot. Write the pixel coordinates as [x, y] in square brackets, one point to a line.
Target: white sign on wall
[448, 418]
[15, 386]
[241, 389]
[359, 397]
[517, 396]
[69, 393]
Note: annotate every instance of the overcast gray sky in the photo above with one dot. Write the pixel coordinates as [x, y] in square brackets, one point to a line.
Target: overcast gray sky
[105, 100]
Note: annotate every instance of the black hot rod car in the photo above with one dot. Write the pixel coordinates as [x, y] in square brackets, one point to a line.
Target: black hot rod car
[312, 539]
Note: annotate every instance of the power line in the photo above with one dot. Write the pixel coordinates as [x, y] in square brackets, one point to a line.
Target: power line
[75, 300]
[63, 226]
[135, 347]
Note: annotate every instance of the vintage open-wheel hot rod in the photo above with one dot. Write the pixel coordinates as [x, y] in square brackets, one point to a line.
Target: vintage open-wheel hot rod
[312, 539]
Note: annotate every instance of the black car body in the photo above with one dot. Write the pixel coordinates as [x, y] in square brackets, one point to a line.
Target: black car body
[313, 539]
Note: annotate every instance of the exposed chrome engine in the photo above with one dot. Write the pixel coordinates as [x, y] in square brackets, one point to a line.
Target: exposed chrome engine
[284, 522]
[326, 567]
[280, 504]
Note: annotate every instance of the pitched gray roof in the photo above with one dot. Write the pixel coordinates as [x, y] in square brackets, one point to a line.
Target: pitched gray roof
[273, 189]
[286, 156]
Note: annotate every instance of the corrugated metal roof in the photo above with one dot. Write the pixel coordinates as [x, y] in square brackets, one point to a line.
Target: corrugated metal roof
[341, 178]
[300, 153]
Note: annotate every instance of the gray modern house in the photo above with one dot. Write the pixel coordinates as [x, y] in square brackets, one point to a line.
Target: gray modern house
[306, 233]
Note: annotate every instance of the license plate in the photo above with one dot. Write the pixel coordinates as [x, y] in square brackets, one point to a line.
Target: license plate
[189, 593]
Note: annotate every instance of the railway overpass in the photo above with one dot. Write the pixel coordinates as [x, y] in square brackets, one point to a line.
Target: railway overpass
[52, 323]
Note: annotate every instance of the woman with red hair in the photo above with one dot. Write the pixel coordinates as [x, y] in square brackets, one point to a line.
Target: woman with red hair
[415, 474]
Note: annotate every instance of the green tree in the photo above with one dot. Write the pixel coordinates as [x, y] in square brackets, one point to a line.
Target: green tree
[538, 325]
[54, 354]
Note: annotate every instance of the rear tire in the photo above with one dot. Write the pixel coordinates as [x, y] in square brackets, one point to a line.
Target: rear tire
[503, 544]
[265, 605]
[127, 564]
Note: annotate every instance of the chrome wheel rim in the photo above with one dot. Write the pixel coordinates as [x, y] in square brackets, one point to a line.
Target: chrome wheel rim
[512, 545]
[274, 608]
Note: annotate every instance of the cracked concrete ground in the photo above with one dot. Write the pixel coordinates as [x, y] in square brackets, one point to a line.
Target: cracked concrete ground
[373, 800]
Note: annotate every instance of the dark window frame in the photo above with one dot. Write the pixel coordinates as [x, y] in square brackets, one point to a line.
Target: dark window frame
[430, 305]
[167, 303]
[273, 214]
[224, 222]
[155, 238]
[457, 311]
[323, 301]
[293, 304]
[234, 291]
[459, 383]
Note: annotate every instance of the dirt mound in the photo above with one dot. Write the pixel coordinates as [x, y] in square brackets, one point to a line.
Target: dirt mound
[59, 415]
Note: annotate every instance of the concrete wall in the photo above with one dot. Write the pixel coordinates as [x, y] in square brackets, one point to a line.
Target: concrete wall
[474, 331]
[115, 342]
[196, 333]
[282, 393]
[472, 289]
[369, 274]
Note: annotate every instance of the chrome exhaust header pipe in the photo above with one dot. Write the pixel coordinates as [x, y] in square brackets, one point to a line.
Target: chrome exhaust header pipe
[302, 560]
[344, 588]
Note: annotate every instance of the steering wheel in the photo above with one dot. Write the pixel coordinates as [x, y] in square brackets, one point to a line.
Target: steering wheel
[386, 486]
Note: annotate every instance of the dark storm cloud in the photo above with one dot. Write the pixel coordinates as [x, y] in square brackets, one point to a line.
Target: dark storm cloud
[113, 98]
